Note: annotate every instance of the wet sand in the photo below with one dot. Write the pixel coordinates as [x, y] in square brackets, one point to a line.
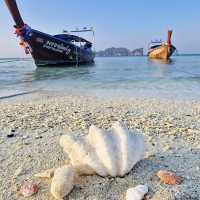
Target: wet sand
[171, 129]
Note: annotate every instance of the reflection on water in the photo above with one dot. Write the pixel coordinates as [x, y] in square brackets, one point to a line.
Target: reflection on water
[162, 65]
[161, 61]
[127, 75]
[56, 73]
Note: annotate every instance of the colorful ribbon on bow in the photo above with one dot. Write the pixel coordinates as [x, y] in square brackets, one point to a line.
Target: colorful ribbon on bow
[21, 32]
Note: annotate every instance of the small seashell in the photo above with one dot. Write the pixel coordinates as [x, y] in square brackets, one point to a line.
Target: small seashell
[169, 178]
[28, 188]
[136, 193]
[63, 181]
[46, 174]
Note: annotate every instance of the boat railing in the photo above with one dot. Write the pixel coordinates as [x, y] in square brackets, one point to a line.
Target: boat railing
[155, 42]
[82, 30]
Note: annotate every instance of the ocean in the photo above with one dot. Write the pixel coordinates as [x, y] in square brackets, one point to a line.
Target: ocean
[109, 77]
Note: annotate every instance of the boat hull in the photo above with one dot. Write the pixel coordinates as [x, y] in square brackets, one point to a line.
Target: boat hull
[50, 50]
[161, 52]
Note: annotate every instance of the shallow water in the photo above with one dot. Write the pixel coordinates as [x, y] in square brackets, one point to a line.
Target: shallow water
[122, 76]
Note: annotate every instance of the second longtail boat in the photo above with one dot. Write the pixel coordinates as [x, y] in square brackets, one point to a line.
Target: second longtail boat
[161, 50]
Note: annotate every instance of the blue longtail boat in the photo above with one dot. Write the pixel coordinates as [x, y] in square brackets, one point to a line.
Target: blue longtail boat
[46, 49]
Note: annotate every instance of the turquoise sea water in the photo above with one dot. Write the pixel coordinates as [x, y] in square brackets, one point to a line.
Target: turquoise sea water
[122, 76]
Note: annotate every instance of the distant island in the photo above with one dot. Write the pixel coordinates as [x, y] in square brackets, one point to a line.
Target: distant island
[118, 52]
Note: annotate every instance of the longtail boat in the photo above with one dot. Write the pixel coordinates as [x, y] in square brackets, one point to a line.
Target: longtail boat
[46, 49]
[161, 50]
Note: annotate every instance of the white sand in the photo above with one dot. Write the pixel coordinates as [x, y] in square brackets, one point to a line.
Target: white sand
[171, 129]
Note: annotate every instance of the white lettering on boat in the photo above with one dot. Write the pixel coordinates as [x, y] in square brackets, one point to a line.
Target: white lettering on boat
[39, 40]
[57, 47]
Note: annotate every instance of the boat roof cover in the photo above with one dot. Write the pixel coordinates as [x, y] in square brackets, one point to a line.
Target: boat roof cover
[70, 37]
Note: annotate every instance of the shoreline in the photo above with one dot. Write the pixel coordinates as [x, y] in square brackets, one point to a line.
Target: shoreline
[38, 94]
[171, 129]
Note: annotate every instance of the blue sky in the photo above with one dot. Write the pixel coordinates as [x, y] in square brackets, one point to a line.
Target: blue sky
[127, 23]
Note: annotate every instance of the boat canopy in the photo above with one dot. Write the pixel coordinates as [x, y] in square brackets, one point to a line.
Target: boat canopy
[69, 37]
[156, 41]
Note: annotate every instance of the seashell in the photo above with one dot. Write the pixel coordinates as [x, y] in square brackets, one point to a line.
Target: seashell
[104, 153]
[28, 188]
[63, 181]
[46, 174]
[136, 193]
[169, 178]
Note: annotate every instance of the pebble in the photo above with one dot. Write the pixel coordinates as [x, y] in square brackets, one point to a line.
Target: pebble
[26, 143]
[11, 135]
[38, 137]
[24, 137]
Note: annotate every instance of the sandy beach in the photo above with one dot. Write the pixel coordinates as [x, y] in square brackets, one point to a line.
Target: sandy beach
[171, 129]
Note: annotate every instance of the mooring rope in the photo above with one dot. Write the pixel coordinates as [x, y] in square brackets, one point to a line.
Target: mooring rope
[12, 61]
[21, 93]
[17, 94]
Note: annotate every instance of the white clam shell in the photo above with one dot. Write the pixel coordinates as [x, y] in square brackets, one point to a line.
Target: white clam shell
[63, 181]
[104, 153]
[136, 193]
